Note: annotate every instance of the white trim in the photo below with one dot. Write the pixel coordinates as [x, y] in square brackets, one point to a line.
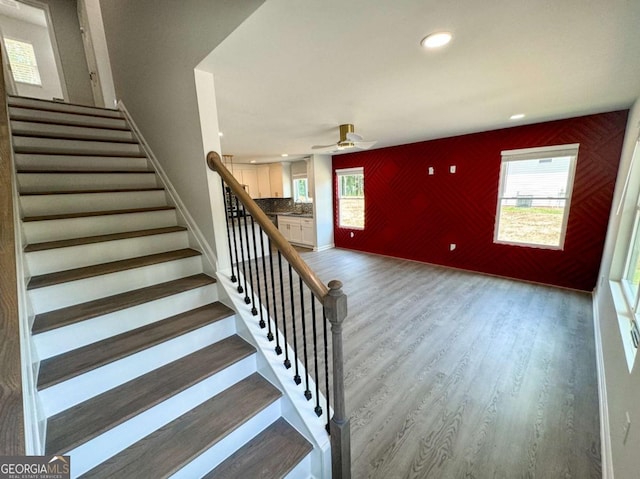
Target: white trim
[606, 456]
[543, 151]
[203, 244]
[359, 170]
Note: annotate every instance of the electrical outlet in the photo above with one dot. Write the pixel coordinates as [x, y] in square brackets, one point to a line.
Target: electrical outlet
[452, 168]
[626, 427]
[431, 170]
[452, 246]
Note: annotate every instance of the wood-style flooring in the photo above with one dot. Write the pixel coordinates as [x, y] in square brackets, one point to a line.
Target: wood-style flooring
[451, 374]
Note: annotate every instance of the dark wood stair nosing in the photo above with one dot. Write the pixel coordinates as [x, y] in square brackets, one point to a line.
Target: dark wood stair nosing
[51, 320]
[44, 102]
[89, 214]
[44, 136]
[84, 172]
[60, 122]
[62, 367]
[86, 192]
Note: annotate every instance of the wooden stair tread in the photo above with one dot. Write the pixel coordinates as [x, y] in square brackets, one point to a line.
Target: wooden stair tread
[49, 117]
[166, 450]
[80, 312]
[75, 274]
[87, 420]
[86, 214]
[26, 151]
[73, 363]
[100, 238]
[62, 107]
[85, 172]
[272, 454]
[84, 192]
[73, 139]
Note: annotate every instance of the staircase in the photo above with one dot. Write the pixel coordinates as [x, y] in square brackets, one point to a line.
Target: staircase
[142, 373]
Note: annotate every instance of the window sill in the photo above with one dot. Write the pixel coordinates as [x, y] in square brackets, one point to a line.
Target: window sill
[624, 322]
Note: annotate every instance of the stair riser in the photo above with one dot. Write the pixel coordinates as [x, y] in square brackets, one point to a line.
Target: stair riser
[69, 393]
[75, 292]
[302, 469]
[212, 457]
[66, 338]
[42, 182]
[24, 144]
[42, 205]
[26, 161]
[49, 130]
[28, 114]
[61, 259]
[53, 230]
[62, 107]
[111, 442]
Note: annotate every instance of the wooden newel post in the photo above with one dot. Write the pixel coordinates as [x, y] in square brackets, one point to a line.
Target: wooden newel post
[335, 305]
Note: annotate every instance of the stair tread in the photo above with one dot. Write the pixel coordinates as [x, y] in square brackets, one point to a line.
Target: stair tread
[100, 238]
[272, 454]
[85, 172]
[85, 214]
[166, 450]
[84, 192]
[91, 418]
[70, 132]
[75, 274]
[73, 363]
[63, 107]
[66, 118]
[75, 139]
[80, 312]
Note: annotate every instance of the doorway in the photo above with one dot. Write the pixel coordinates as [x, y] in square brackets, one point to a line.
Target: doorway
[29, 45]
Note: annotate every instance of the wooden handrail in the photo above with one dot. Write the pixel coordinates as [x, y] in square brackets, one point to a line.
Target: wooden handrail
[288, 251]
[12, 438]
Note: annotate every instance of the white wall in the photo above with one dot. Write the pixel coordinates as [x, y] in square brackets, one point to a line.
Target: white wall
[320, 177]
[39, 37]
[622, 386]
[154, 48]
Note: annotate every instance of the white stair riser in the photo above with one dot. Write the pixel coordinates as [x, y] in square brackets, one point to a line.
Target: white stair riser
[41, 182]
[106, 445]
[60, 259]
[66, 338]
[75, 292]
[19, 127]
[41, 205]
[302, 469]
[224, 448]
[26, 161]
[64, 107]
[29, 114]
[50, 145]
[80, 388]
[53, 230]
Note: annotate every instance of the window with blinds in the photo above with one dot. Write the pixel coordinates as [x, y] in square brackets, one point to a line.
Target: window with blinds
[22, 59]
[534, 196]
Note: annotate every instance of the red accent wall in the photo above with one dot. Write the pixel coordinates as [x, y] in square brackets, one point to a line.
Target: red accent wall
[409, 214]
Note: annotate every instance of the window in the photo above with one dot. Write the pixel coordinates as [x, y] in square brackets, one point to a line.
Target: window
[351, 198]
[301, 190]
[22, 59]
[534, 196]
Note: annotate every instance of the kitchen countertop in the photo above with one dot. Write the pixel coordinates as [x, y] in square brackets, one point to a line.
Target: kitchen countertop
[298, 215]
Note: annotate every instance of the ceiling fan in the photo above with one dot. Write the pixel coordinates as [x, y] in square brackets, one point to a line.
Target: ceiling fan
[348, 140]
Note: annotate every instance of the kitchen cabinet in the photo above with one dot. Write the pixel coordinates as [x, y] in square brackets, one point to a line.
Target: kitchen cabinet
[297, 230]
[264, 182]
[280, 179]
[247, 176]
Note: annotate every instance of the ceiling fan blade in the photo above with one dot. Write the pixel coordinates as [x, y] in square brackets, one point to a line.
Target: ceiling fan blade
[364, 145]
[324, 147]
[354, 137]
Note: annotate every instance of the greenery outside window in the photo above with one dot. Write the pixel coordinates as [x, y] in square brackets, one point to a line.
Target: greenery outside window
[534, 196]
[301, 190]
[350, 184]
[22, 59]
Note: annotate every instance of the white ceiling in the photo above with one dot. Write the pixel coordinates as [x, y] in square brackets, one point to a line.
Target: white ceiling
[296, 69]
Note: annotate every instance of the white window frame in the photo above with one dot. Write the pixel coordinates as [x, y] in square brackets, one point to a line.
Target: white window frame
[35, 67]
[349, 172]
[539, 153]
[296, 197]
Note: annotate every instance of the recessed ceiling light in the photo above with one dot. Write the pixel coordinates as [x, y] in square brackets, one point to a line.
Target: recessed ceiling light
[252, 161]
[517, 116]
[284, 155]
[220, 134]
[436, 40]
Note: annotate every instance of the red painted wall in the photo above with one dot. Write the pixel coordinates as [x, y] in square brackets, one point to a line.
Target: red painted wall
[409, 214]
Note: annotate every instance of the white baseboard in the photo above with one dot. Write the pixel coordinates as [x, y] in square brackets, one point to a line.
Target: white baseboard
[324, 247]
[605, 430]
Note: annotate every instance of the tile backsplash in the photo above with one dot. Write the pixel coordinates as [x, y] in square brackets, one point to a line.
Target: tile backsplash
[283, 205]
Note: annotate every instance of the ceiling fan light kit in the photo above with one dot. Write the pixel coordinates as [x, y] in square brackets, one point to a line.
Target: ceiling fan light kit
[348, 139]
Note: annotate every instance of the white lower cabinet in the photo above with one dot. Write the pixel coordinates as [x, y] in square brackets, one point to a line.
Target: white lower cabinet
[297, 230]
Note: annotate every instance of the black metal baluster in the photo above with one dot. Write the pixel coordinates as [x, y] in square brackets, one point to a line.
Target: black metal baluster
[307, 392]
[266, 289]
[318, 408]
[255, 258]
[247, 299]
[275, 303]
[287, 362]
[226, 215]
[235, 244]
[326, 368]
[296, 376]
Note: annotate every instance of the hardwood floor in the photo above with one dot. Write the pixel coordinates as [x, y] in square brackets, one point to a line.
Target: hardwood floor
[452, 374]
